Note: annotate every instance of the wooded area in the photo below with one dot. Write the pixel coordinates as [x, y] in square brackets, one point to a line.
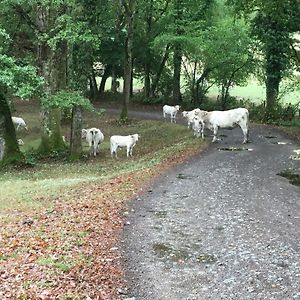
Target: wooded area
[53, 51]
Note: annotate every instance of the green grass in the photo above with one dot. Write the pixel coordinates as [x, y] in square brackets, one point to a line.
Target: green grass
[256, 92]
[253, 91]
[29, 188]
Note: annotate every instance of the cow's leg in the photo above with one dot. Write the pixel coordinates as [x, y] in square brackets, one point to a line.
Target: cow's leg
[202, 130]
[215, 134]
[128, 151]
[245, 132]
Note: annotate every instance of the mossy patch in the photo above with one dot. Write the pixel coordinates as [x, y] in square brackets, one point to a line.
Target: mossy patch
[290, 174]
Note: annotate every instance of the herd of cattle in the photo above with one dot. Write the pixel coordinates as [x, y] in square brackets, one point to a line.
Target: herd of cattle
[213, 120]
[197, 119]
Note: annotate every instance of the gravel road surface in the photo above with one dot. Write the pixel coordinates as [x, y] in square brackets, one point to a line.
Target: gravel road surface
[222, 225]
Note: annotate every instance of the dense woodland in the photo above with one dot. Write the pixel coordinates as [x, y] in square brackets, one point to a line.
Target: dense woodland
[53, 51]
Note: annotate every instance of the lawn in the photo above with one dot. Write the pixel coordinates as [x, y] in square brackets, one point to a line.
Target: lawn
[61, 221]
[254, 91]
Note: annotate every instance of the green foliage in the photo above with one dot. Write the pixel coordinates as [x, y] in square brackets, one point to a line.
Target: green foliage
[20, 80]
[66, 100]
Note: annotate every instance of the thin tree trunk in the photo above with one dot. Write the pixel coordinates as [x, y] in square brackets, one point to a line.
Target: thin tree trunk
[114, 85]
[160, 71]
[93, 86]
[75, 141]
[176, 76]
[147, 82]
[129, 15]
[106, 74]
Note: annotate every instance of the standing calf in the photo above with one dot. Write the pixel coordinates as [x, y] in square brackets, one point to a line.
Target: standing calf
[172, 111]
[189, 116]
[198, 127]
[119, 141]
[19, 122]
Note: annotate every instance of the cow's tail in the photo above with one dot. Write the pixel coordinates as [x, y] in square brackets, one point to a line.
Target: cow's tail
[93, 137]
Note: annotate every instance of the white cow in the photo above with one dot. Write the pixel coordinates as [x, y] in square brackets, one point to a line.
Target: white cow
[214, 120]
[19, 122]
[172, 111]
[189, 115]
[94, 138]
[119, 141]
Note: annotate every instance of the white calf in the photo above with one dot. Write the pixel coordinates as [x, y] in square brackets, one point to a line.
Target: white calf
[189, 115]
[20, 142]
[214, 120]
[94, 137]
[119, 141]
[19, 122]
[172, 111]
[198, 127]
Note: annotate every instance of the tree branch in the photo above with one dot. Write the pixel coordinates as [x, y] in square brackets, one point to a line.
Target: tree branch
[162, 12]
[24, 15]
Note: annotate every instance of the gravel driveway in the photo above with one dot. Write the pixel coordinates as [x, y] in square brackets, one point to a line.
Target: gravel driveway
[220, 226]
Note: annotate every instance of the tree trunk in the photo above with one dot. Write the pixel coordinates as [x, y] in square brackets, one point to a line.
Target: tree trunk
[43, 63]
[114, 82]
[58, 79]
[75, 140]
[12, 153]
[129, 15]
[93, 87]
[273, 78]
[106, 74]
[160, 71]
[176, 77]
[147, 82]
[52, 65]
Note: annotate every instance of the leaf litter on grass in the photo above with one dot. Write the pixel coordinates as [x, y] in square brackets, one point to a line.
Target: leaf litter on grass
[71, 250]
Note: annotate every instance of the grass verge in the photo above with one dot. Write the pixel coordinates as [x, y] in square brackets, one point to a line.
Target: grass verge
[60, 221]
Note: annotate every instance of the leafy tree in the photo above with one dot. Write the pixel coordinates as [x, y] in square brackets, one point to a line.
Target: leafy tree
[233, 64]
[152, 19]
[273, 24]
[129, 9]
[15, 79]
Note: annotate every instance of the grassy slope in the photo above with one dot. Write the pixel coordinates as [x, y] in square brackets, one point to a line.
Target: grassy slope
[158, 141]
[60, 222]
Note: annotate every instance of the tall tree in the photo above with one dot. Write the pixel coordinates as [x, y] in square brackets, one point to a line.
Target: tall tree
[129, 9]
[15, 79]
[273, 24]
